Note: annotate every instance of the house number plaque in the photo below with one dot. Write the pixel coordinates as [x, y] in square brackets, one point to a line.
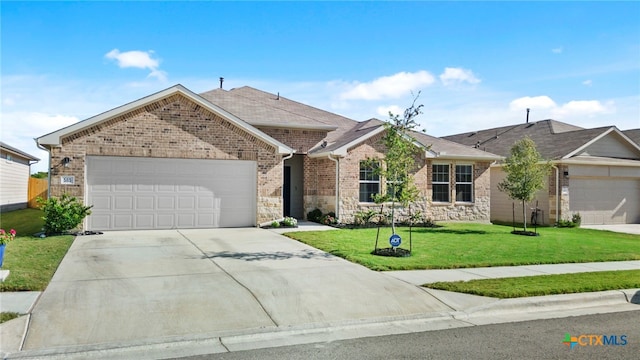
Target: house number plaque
[67, 180]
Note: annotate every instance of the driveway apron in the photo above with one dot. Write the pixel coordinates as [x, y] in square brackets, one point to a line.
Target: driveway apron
[123, 287]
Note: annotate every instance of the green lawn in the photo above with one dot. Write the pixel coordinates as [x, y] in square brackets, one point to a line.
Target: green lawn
[460, 245]
[545, 284]
[32, 261]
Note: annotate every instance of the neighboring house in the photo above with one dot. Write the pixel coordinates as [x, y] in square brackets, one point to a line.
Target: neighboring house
[14, 177]
[243, 157]
[596, 171]
[633, 134]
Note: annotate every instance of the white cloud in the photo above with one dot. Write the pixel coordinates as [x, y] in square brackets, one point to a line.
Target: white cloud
[452, 76]
[587, 83]
[138, 59]
[581, 108]
[383, 111]
[389, 87]
[557, 50]
[543, 107]
[535, 102]
[20, 128]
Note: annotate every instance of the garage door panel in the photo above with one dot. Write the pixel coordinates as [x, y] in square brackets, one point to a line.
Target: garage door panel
[144, 221]
[122, 221]
[186, 203]
[166, 203]
[123, 203]
[145, 202]
[151, 193]
[605, 201]
[101, 202]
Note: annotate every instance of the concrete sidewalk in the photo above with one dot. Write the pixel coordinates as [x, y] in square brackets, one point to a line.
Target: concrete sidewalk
[421, 277]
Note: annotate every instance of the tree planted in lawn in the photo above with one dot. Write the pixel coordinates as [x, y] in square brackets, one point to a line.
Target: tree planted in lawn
[526, 171]
[399, 160]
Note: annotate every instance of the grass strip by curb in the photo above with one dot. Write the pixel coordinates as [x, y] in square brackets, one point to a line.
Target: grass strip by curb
[6, 316]
[541, 285]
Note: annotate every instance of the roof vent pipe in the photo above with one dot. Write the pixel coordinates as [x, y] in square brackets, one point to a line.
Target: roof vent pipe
[527, 115]
[221, 81]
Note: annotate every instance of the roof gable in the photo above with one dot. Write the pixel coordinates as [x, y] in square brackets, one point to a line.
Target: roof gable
[55, 138]
[554, 139]
[610, 144]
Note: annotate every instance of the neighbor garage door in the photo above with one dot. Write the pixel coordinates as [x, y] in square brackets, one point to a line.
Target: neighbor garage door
[606, 201]
[148, 193]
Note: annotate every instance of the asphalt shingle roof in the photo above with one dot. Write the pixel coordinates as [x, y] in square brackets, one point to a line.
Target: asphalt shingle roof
[554, 139]
[633, 134]
[260, 108]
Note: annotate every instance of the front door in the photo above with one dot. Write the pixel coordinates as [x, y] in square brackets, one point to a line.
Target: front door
[286, 191]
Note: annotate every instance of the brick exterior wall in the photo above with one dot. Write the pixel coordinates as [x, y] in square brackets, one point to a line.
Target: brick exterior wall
[319, 185]
[299, 140]
[173, 127]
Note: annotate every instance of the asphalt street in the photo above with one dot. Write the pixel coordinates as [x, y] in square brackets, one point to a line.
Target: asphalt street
[538, 339]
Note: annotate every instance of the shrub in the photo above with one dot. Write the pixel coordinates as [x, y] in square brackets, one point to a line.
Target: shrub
[363, 217]
[315, 215]
[275, 224]
[576, 219]
[62, 214]
[290, 222]
[328, 219]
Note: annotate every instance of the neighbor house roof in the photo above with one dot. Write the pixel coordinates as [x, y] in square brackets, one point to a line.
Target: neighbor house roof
[54, 138]
[8, 148]
[633, 134]
[554, 139]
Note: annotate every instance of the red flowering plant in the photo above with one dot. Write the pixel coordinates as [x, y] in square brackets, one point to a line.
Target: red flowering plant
[6, 237]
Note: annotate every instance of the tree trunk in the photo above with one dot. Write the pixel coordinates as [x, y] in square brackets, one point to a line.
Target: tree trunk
[524, 216]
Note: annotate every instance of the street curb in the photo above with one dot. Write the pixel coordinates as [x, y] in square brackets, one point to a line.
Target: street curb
[554, 306]
[550, 303]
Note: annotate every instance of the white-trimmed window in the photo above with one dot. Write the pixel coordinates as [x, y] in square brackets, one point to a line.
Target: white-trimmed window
[440, 183]
[369, 181]
[464, 183]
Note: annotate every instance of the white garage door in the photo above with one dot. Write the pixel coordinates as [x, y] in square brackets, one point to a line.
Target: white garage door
[149, 193]
[599, 201]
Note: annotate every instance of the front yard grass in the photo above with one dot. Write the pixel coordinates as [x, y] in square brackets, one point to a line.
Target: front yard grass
[544, 284]
[32, 261]
[463, 245]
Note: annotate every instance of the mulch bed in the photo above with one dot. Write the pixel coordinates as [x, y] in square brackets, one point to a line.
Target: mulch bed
[397, 252]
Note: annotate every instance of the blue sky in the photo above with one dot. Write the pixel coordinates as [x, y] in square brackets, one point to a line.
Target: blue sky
[476, 64]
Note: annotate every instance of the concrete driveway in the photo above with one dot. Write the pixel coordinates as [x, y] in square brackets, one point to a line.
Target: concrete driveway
[621, 228]
[152, 286]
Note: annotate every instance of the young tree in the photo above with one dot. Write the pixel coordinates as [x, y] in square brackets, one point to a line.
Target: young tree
[526, 171]
[399, 161]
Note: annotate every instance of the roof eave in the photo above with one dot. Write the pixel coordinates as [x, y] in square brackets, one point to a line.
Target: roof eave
[467, 157]
[295, 126]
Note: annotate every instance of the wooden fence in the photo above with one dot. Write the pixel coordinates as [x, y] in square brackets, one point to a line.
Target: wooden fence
[37, 188]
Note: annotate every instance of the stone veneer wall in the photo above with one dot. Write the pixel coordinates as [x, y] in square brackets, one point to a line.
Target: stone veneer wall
[479, 210]
[173, 127]
[564, 208]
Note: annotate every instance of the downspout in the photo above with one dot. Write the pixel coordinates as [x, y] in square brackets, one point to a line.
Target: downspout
[49, 168]
[337, 161]
[557, 193]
